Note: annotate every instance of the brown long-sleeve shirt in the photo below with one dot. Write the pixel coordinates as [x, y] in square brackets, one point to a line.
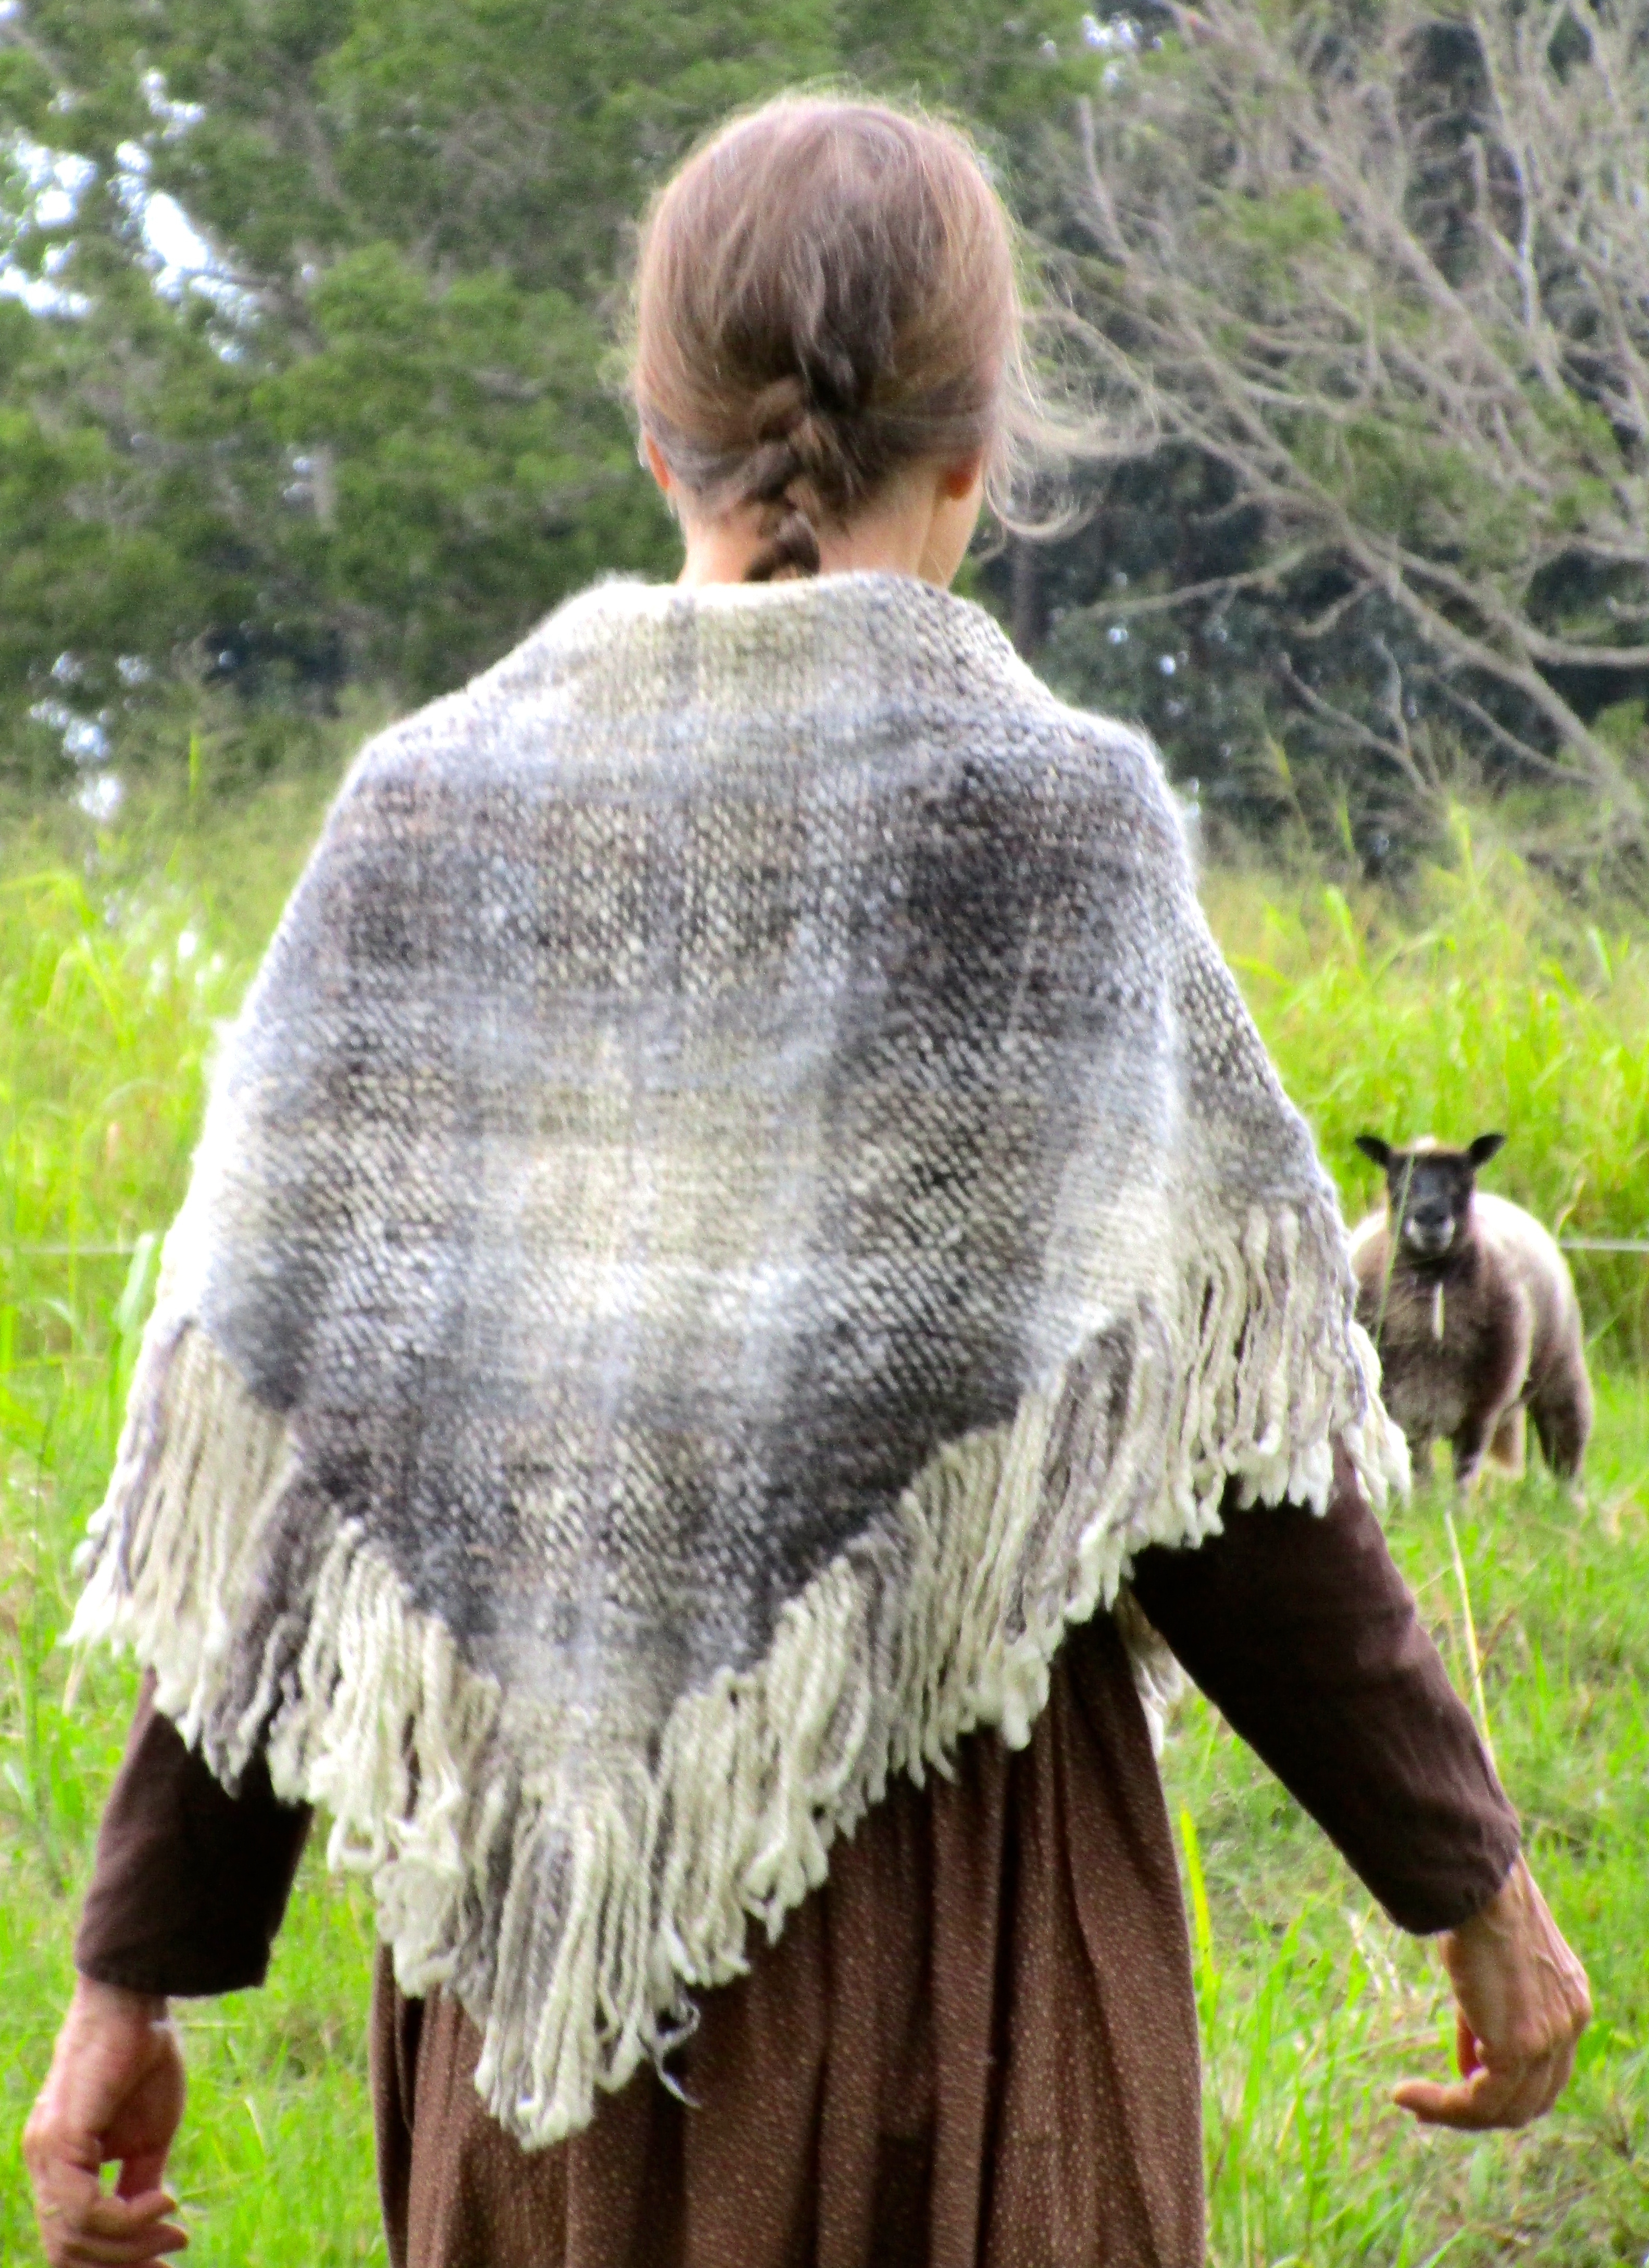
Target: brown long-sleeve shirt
[980, 2025]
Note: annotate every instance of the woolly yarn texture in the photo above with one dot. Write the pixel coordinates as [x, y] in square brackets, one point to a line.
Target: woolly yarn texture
[741, 1193]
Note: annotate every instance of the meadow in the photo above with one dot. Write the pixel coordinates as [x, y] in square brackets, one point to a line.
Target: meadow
[1475, 999]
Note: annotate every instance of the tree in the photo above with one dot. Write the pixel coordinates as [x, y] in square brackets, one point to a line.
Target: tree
[1380, 278]
[374, 432]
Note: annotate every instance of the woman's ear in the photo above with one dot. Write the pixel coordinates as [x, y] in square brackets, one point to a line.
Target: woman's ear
[962, 477]
[654, 457]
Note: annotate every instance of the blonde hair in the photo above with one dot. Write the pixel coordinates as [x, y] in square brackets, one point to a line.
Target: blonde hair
[827, 291]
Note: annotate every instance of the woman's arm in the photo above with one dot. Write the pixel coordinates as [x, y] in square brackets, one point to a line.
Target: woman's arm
[187, 1891]
[1304, 1634]
[189, 1883]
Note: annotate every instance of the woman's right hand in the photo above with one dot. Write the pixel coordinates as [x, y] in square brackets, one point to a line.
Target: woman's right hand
[1522, 2001]
[115, 2091]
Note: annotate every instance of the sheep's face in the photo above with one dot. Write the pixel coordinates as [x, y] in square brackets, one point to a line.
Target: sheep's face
[1429, 1191]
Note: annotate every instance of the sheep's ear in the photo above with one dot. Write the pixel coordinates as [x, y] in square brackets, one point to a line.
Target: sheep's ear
[1377, 1152]
[1483, 1148]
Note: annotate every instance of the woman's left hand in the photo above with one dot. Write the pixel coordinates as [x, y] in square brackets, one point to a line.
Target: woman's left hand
[1521, 2002]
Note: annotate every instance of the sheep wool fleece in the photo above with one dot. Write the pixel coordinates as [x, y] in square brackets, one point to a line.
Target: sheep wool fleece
[741, 1193]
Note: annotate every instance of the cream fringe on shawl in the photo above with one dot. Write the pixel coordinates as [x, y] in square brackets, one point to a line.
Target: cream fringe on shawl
[439, 1786]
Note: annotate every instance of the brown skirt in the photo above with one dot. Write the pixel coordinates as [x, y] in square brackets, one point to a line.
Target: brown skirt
[975, 2047]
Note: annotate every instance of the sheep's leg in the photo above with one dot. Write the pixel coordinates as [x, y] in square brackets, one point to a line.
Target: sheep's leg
[1421, 1447]
[1468, 1443]
[1506, 1451]
[1563, 1418]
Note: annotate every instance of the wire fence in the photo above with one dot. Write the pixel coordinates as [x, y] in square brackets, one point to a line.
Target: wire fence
[125, 1251]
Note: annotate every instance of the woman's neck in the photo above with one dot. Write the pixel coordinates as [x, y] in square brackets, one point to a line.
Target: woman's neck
[915, 525]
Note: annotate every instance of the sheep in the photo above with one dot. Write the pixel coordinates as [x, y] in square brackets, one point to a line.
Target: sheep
[1474, 1315]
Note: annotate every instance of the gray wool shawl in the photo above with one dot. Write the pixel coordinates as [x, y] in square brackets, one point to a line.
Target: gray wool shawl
[742, 1194]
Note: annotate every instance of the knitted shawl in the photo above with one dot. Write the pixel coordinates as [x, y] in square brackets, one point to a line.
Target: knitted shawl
[741, 1193]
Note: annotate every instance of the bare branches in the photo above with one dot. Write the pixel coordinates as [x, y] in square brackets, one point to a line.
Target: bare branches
[1396, 751]
[1402, 296]
[1185, 594]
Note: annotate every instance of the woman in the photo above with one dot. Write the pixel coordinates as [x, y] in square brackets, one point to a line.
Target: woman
[742, 1206]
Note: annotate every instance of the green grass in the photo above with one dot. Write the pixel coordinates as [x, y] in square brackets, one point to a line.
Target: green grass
[1483, 1001]
[111, 983]
[1313, 2005]
[1480, 1002]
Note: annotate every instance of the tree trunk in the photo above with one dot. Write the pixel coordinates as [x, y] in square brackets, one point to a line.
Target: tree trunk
[1027, 597]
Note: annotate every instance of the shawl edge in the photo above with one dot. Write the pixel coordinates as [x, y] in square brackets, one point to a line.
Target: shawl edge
[620, 1899]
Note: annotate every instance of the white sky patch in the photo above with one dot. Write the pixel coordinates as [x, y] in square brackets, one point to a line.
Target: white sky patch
[40, 295]
[54, 181]
[54, 207]
[178, 253]
[176, 118]
[174, 238]
[54, 173]
[179, 256]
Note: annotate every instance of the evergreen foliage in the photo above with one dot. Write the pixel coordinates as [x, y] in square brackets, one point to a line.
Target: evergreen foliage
[369, 427]
[1358, 293]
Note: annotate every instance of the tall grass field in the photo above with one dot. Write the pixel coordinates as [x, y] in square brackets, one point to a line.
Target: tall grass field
[1475, 1001]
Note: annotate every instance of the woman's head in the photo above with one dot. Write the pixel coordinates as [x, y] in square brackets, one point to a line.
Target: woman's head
[826, 296]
